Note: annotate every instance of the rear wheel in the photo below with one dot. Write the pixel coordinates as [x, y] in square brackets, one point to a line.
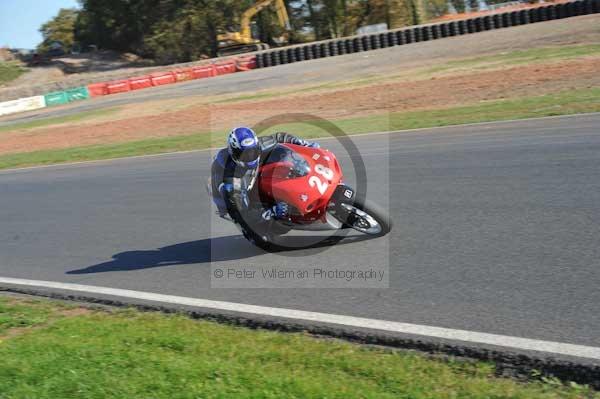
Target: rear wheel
[367, 217]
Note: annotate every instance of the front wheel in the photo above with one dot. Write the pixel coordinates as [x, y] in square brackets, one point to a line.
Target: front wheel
[367, 217]
[259, 241]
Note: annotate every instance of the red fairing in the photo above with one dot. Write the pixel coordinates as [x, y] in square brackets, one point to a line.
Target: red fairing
[309, 193]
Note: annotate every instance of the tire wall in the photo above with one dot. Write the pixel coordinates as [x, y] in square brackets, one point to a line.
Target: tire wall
[399, 37]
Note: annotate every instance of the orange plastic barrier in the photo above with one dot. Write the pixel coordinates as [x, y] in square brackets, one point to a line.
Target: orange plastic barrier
[118, 86]
[246, 63]
[204, 71]
[183, 74]
[226, 67]
[163, 78]
[140, 82]
[98, 89]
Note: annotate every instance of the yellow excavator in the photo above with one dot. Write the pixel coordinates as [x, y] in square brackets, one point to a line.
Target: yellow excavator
[242, 41]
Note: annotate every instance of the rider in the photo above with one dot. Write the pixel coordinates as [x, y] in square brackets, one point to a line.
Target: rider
[246, 152]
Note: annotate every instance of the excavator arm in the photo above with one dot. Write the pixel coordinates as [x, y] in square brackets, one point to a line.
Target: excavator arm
[243, 38]
[245, 22]
[282, 14]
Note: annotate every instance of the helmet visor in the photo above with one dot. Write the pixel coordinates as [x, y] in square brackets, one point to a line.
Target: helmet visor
[249, 155]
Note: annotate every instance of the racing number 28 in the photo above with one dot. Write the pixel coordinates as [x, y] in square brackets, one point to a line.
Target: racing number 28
[315, 181]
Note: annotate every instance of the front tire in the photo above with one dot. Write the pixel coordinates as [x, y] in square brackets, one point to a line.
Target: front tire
[262, 242]
[367, 217]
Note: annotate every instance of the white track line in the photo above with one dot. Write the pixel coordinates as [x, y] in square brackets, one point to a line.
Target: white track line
[349, 321]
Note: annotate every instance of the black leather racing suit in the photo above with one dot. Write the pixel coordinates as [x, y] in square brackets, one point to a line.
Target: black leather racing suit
[224, 170]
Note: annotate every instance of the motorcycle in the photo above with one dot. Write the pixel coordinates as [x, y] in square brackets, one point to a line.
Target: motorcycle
[310, 181]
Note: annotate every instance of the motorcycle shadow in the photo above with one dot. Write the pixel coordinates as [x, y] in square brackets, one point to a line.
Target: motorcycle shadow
[298, 246]
[198, 252]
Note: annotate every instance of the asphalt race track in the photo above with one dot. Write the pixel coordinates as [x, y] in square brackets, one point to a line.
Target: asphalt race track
[497, 230]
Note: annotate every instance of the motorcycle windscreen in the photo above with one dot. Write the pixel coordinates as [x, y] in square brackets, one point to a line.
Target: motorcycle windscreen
[281, 175]
[295, 164]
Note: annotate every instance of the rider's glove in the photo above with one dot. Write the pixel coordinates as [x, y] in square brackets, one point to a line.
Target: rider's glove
[282, 210]
[225, 188]
[279, 211]
[302, 142]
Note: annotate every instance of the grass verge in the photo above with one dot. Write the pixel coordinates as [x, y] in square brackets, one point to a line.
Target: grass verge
[125, 353]
[20, 314]
[565, 103]
[82, 116]
[520, 57]
[488, 62]
[10, 71]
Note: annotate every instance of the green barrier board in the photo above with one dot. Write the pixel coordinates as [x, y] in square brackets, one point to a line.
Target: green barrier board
[79, 93]
[56, 98]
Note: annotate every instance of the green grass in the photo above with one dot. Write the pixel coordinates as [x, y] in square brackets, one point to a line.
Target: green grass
[570, 102]
[97, 152]
[520, 57]
[251, 97]
[60, 119]
[566, 103]
[128, 354]
[278, 93]
[10, 71]
[21, 315]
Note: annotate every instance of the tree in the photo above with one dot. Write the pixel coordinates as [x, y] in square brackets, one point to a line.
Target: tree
[402, 13]
[59, 29]
[336, 18]
[185, 30]
[188, 35]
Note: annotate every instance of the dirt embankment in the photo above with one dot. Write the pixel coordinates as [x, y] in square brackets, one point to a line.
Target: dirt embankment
[431, 93]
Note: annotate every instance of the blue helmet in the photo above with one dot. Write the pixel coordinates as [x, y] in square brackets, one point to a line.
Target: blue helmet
[244, 147]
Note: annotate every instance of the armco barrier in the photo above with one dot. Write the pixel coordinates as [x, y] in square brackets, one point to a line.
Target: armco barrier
[140, 82]
[426, 32]
[56, 98]
[22, 104]
[78, 93]
[164, 78]
[118, 86]
[97, 89]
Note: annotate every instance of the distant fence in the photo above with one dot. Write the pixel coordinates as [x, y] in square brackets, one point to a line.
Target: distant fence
[79, 80]
[61, 97]
[422, 33]
[21, 105]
